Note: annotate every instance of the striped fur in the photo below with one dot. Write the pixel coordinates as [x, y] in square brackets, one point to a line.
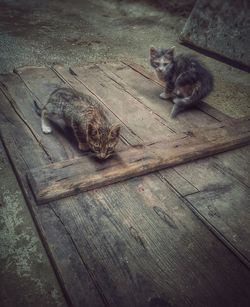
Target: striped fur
[85, 116]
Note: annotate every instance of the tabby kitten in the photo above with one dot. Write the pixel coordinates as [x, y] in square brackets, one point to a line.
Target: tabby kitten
[187, 80]
[82, 113]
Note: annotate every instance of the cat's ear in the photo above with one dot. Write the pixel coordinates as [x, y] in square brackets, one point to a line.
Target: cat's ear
[92, 131]
[115, 131]
[152, 51]
[170, 51]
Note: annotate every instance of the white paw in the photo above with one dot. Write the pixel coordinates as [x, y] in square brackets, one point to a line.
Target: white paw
[46, 129]
[176, 100]
[164, 96]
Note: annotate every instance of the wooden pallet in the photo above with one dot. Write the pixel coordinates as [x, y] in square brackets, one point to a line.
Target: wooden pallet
[134, 243]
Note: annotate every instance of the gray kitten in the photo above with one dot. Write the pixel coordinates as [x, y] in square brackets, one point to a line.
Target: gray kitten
[187, 80]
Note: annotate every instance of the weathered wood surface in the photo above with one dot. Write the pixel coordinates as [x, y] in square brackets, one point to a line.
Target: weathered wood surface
[25, 151]
[151, 77]
[72, 79]
[129, 244]
[66, 178]
[232, 168]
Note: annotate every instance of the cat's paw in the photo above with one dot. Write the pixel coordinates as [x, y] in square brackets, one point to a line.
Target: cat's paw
[165, 96]
[46, 129]
[174, 112]
[83, 147]
[176, 100]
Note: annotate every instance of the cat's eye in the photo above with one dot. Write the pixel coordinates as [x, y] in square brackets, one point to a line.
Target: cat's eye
[110, 148]
[165, 64]
[96, 147]
[156, 64]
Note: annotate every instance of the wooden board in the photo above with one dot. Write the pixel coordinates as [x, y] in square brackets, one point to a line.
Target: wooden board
[151, 77]
[229, 171]
[135, 243]
[20, 142]
[73, 176]
[144, 89]
[72, 79]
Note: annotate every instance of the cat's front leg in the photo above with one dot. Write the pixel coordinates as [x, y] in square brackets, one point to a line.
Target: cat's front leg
[168, 92]
[46, 127]
[82, 145]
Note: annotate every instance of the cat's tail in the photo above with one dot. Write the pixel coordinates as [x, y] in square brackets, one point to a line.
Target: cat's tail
[37, 108]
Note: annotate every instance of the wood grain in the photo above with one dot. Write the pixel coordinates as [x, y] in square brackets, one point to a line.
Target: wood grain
[134, 243]
[147, 94]
[205, 107]
[223, 176]
[185, 178]
[70, 177]
[130, 135]
[26, 150]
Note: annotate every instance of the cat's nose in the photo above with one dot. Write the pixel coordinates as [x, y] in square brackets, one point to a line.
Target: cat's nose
[102, 155]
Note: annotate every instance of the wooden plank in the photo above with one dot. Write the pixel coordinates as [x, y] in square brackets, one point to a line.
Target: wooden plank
[47, 80]
[177, 181]
[128, 109]
[236, 163]
[145, 89]
[179, 178]
[138, 242]
[171, 176]
[206, 108]
[228, 216]
[147, 93]
[67, 178]
[148, 245]
[25, 151]
[221, 200]
[78, 83]
[223, 170]
[13, 86]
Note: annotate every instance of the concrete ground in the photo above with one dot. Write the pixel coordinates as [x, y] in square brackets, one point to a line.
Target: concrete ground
[76, 32]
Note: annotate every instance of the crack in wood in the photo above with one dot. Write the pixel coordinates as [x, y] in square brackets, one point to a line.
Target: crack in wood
[135, 234]
[165, 217]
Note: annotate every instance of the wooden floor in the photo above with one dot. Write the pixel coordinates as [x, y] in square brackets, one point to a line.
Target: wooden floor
[178, 237]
